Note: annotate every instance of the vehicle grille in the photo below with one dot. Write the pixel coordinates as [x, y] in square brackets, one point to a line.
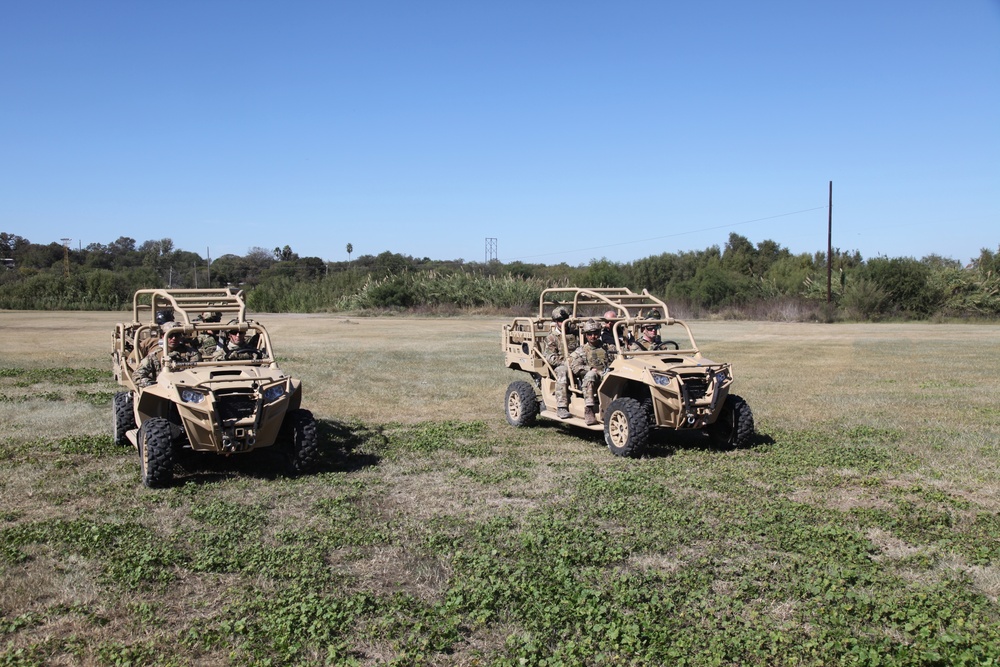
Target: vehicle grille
[236, 406]
[697, 387]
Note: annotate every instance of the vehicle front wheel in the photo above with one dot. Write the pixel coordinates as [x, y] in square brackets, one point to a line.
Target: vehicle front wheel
[734, 427]
[300, 441]
[122, 417]
[626, 427]
[521, 404]
[156, 453]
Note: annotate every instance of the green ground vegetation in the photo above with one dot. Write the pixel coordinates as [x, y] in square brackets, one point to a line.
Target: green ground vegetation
[848, 535]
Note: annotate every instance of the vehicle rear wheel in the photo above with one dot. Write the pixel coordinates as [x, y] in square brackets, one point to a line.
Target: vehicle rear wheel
[299, 440]
[734, 427]
[521, 404]
[156, 453]
[626, 427]
[122, 417]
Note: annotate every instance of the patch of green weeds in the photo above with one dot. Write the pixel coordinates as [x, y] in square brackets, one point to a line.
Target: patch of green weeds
[129, 553]
[26, 377]
[122, 654]
[507, 468]
[19, 622]
[465, 438]
[349, 522]
[90, 445]
[97, 398]
[238, 518]
[279, 627]
[93, 445]
[945, 384]
[565, 585]
[31, 656]
[870, 435]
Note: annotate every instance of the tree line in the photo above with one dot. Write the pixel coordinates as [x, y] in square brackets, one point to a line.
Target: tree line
[740, 280]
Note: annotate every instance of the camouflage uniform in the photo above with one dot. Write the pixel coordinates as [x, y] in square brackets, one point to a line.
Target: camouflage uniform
[146, 372]
[554, 355]
[208, 344]
[229, 350]
[590, 360]
[147, 345]
[643, 343]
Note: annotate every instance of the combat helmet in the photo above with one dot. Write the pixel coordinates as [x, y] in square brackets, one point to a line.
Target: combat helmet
[591, 326]
[559, 313]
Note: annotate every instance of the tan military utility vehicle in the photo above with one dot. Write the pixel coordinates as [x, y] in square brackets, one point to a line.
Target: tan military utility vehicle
[223, 404]
[670, 385]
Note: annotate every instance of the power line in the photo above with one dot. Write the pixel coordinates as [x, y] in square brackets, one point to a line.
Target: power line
[667, 236]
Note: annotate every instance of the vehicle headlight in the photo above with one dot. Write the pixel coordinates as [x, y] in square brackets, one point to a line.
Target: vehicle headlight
[662, 380]
[722, 375]
[273, 393]
[192, 396]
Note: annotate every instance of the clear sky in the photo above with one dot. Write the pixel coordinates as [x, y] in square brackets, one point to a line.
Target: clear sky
[568, 131]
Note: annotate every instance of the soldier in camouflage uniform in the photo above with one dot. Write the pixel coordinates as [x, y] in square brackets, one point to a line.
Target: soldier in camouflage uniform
[233, 346]
[146, 345]
[590, 361]
[208, 342]
[174, 347]
[649, 340]
[554, 355]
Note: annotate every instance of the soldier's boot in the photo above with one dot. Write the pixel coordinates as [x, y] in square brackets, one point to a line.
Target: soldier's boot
[563, 412]
[589, 417]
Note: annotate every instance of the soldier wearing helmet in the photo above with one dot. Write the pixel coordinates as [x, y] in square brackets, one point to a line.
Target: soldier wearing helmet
[172, 346]
[589, 362]
[649, 338]
[146, 345]
[553, 352]
[208, 341]
[233, 345]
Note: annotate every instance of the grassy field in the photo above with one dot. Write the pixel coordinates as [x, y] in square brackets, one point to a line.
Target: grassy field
[862, 529]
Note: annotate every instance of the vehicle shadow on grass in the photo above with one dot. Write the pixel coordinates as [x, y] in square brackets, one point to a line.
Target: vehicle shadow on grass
[662, 442]
[340, 449]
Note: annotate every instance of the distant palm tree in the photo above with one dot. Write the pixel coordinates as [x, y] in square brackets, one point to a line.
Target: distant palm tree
[350, 249]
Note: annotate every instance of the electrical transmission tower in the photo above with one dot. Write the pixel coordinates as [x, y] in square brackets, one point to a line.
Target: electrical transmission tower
[491, 250]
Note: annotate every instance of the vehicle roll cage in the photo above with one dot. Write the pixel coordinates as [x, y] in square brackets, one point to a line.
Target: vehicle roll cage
[633, 310]
[187, 304]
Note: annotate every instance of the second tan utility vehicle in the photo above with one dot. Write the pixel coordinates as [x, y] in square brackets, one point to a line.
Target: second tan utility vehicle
[223, 404]
[667, 384]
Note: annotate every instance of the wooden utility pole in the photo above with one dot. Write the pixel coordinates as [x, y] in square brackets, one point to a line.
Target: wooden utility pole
[829, 246]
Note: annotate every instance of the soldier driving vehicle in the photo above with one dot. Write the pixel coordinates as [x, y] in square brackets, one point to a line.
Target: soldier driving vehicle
[653, 382]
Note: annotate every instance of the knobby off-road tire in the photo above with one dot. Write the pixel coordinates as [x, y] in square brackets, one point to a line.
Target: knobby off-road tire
[156, 453]
[626, 427]
[299, 441]
[734, 427]
[122, 417]
[521, 404]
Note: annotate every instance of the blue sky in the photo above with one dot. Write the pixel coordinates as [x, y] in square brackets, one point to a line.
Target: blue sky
[568, 131]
